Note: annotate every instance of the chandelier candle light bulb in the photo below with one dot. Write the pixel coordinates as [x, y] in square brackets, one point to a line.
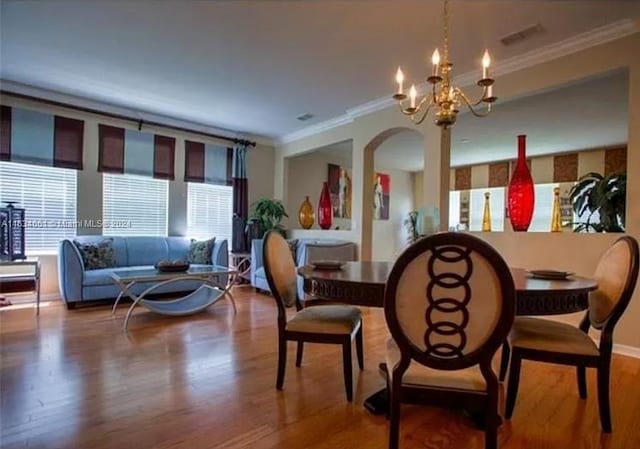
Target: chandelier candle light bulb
[443, 96]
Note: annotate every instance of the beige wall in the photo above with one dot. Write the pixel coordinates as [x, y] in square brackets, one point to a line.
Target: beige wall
[307, 173]
[89, 192]
[578, 250]
[390, 236]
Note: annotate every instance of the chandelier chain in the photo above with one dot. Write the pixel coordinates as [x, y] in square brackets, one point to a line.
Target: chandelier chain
[446, 31]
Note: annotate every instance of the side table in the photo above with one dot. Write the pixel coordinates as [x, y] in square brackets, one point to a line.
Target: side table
[242, 263]
[21, 276]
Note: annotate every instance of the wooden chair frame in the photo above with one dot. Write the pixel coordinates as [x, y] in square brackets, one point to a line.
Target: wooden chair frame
[513, 356]
[482, 402]
[301, 338]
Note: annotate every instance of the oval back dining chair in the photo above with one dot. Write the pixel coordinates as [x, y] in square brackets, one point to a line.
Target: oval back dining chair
[561, 343]
[334, 324]
[449, 304]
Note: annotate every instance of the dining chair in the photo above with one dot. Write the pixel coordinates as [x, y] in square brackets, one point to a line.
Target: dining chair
[553, 342]
[333, 324]
[449, 304]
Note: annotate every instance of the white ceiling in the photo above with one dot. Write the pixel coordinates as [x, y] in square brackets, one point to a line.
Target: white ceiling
[588, 114]
[253, 66]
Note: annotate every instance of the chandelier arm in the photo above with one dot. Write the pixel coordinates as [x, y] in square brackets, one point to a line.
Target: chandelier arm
[471, 106]
[424, 115]
[462, 95]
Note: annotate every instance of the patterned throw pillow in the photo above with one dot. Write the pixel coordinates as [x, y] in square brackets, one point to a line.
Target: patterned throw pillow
[293, 247]
[200, 252]
[97, 255]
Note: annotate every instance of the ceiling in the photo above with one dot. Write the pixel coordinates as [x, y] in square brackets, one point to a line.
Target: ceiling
[254, 66]
[588, 114]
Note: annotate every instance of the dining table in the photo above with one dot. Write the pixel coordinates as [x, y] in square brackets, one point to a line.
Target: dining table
[363, 284]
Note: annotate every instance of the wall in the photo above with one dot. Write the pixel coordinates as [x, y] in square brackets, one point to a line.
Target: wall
[306, 175]
[390, 236]
[89, 192]
[367, 130]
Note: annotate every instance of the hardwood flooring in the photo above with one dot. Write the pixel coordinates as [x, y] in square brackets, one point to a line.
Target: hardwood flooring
[75, 379]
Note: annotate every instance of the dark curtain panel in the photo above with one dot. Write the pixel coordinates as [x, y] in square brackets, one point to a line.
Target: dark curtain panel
[68, 138]
[5, 133]
[164, 155]
[110, 149]
[240, 198]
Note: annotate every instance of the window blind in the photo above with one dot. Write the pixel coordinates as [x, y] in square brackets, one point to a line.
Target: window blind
[49, 196]
[496, 205]
[134, 205]
[542, 208]
[454, 209]
[209, 211]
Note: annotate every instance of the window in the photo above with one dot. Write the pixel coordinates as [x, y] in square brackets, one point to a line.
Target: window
[454, 209]
[496, 206]
[134, 205]
[542, 208]
[209, 211]
[49, 196]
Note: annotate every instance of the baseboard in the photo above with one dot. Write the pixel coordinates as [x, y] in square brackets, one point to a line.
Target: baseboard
[629, 351]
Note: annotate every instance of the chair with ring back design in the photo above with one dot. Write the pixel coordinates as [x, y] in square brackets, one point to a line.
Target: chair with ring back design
[449, 304]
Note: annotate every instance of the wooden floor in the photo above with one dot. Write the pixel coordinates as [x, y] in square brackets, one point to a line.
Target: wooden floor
[75, 379]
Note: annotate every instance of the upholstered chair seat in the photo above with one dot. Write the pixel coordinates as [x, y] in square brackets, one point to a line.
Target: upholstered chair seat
[552, 342]
[326, 320]
[332, 324]
[546, 335]
[416, 375]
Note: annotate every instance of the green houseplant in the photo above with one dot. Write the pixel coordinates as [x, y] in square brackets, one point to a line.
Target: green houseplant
[269, 214]
[605, 195]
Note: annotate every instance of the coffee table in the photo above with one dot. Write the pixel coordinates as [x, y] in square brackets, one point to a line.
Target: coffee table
[216, 282]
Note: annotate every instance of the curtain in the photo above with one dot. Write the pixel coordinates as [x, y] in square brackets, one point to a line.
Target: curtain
[39, 138]
[208, 163]
[240, 198]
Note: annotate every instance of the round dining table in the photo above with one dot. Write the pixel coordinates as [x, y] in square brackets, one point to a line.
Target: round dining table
[363, 284]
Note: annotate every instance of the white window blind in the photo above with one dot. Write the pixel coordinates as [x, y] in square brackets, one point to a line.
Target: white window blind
[496, 208]
[542, 208]
[454, 209]
[209, 211]
[134, 205]
[49, 196]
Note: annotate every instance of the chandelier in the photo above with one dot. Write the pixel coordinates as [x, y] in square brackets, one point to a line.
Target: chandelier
[443, 96]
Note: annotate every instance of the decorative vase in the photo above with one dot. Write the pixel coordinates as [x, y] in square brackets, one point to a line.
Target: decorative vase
[325, 210]
[486, 215]
[556, 226]
[306, 216]
[521, 195]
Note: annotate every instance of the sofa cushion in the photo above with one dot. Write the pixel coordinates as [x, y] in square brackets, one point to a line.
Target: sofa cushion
[200, 251]
[146, 250]
[97, 255]
[260, 273]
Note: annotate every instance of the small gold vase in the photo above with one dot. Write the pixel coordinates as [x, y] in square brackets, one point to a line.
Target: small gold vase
[556, 226]
[306, 215]
[486, 216]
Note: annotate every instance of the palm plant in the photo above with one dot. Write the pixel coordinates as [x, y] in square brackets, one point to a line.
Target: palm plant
[269, 213]
[604, 195]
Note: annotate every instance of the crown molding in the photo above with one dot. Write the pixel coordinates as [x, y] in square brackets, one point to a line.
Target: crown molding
[588, 39]
[315, 129]
[82, 102]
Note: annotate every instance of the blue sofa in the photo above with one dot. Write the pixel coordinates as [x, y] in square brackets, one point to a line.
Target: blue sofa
[307, 251]
[77, 284]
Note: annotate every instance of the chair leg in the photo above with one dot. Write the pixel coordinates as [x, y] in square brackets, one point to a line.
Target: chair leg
[299, 353]
[504, 360]
[512, 387]
[360, 349]
[581, 372]
[603, 398]
[394, 420]
[348, 376]
[282, 362]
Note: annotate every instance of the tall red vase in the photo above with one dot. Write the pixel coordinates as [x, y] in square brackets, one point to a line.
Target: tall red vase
[521, 194]
[325, 210]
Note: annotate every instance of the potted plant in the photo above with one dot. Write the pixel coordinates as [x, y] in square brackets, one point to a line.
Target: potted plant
[411, 224]
[604, 195]
[268, 214]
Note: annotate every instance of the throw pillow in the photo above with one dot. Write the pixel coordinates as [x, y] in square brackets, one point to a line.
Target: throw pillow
[293, 247]
[200, 251]
[97, 255]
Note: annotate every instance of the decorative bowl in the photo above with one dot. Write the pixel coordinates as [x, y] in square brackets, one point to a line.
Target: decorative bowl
[327, 264]
[172, 267]
[550, 274]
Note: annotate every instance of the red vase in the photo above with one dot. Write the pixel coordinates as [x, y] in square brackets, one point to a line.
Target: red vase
[325, 210]
[521, 196]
